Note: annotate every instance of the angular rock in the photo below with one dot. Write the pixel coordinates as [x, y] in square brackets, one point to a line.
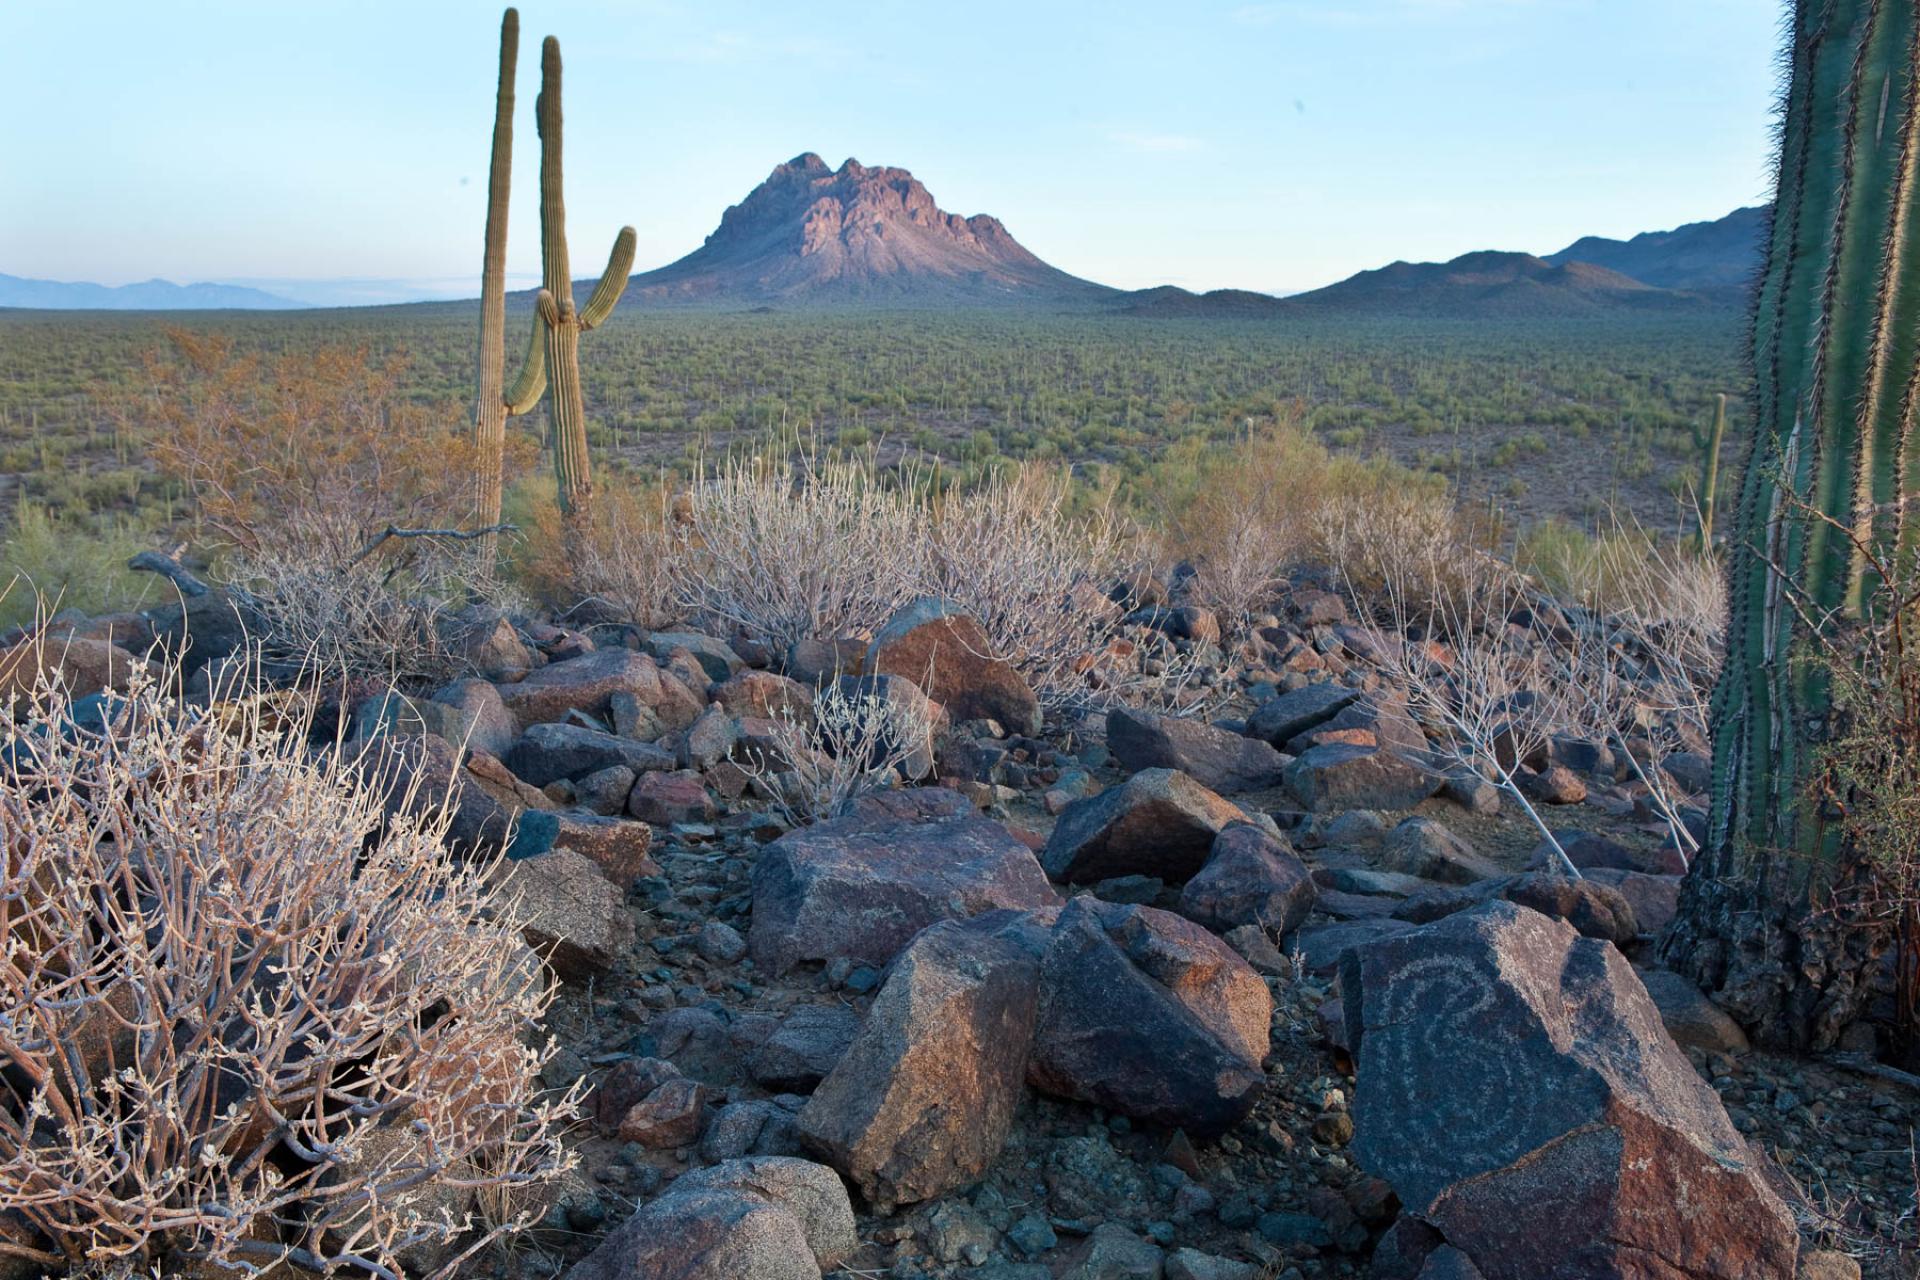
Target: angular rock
[1592, 908]
[1339, 776]
[710, 739]
[485, 642]
[1425, 848]
[549, 753]
[1655, 899]
[604, 792]
[669, 798]
[588, 682]
[569, 912]
[622, 850]
[1321, 945]
[1214, 758]
[1191, 1264]
[941, 648]
[1252, 876]
[1111, 1252]
[859, 888]
[1556, 784]
[1590, 852]
[1156, 823]
[1278, 720]
[914, 708]
[78, 667]
[924, 1097]
[419, 775]
[1689, 1017]
[1509, 1068]
[1149, 1015]
[807, 1045]
[770, 1221]
[488, 725]
[670, 1116]
[765, 696]
[717, 659]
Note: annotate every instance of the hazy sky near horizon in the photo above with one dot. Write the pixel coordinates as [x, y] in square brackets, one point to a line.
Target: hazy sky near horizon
[1263, 144]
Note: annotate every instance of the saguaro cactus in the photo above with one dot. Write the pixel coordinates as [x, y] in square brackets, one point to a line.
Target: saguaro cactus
[490, 406]
[1708, 441]
[1836, 334]
[553, 353]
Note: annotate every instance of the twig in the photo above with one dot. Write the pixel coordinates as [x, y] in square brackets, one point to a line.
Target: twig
[452, 535]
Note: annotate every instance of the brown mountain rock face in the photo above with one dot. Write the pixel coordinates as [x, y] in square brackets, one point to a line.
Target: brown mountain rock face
[856, 234]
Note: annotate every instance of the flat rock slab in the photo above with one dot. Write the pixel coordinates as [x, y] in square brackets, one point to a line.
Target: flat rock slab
[1147, 1014]
[570, 913]
[923, 1100]
[859, 888]
[1223, 761]
[1513, 1073]
[548, 753]
[1157, 823]
[1592, 908]
[1279, 720]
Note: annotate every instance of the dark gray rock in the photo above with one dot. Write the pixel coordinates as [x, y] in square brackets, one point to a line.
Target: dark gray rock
[1222, 761]
[1157, 823]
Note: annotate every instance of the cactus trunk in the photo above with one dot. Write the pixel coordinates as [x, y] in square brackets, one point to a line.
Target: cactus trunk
[1836, 323]
[490, 409]
[1710, 484]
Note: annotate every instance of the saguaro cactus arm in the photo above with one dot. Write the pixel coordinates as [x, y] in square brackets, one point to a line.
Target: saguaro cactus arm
[531, 384]
[613, 281]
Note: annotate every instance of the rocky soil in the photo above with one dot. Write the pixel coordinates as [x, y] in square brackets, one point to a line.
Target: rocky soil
[1102, 993]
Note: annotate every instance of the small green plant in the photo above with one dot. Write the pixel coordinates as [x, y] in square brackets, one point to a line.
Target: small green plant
[47, 564]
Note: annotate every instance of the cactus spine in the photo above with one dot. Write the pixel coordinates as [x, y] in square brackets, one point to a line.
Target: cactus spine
[1836, 353]
[553, 352]
[490, 406]
[1709, 441]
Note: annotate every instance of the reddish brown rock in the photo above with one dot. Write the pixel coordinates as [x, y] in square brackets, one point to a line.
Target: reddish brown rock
[861, 887]
[622, 850]
[1592, 908]
[1157, 823]
[765, 696]
[1339, 776]
[1149, 1015]
[669, 1116]
[922, 1101]
[1512, 1072]
[588, 683]
[77, 666]
[942, 649]
[668, 798]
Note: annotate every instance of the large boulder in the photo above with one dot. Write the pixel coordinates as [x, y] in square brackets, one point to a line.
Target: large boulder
[941, 648]
[1512, 1073]
[549, 753]
[1340, 775]
[1147, 1014]
[1253, 877]
[922, 1101]
[1157, 823]
[588, 684]
[1212, 757]
[859, 888]
[716, 658]
[764, 1218]
[1425, 848]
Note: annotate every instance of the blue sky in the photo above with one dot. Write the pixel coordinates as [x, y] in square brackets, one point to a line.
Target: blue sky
[1266, 144]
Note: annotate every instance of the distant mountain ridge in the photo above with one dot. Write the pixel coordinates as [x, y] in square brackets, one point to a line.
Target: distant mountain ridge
[1493, 283]
[1719, 255]
[856, 235]
[148, 295]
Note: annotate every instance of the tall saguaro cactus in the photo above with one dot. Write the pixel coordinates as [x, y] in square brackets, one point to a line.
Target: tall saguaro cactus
[490, 406]
[553, 353]
[1836, 353]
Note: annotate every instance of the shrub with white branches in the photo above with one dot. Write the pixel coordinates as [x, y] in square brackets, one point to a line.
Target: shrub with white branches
[242, 1020]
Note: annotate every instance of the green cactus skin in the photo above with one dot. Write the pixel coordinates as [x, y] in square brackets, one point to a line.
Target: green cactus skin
[490, 406]
[1836, 358]
[552, 363]
[1709, 443]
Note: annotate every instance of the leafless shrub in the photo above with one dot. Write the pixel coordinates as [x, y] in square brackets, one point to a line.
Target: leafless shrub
[242, 1022]
[785, 552]
[1489, 693]
[624, 557]
[855, 742]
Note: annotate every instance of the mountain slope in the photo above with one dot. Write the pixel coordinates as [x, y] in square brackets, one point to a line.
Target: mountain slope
[148, 295]
[1492, 283]
[1722, 254]
[816, 236]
